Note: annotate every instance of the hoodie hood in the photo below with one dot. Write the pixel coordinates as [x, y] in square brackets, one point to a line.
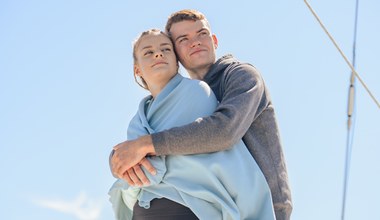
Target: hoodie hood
[219, 66]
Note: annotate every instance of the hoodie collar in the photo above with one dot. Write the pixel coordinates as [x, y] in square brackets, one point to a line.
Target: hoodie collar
[218, 66]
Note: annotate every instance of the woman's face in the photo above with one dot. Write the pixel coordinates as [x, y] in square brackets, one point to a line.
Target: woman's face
[156, 62]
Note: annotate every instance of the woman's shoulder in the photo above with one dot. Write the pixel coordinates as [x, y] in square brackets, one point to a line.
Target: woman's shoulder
[197, 85]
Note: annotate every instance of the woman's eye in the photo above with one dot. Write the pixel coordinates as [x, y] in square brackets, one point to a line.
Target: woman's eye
[148, 52]
[167, 49]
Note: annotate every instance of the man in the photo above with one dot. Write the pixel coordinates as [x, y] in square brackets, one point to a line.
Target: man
[245, 111]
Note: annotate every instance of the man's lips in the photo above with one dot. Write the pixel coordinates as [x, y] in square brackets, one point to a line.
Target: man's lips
[197, 51]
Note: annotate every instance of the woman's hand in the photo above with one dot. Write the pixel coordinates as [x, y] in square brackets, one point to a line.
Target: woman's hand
[135, 176]
[128, 156]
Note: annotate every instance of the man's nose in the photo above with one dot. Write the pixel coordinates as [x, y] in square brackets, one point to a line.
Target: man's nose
[195, 42]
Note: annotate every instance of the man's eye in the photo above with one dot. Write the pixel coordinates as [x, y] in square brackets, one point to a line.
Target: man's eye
[182, 40]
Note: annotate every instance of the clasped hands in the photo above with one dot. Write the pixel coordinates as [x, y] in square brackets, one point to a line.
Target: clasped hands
[128, 157]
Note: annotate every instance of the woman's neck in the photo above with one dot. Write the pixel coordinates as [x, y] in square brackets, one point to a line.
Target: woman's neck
[156, 88]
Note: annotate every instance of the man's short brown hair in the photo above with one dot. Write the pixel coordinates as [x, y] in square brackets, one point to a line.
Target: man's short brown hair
[184, 15]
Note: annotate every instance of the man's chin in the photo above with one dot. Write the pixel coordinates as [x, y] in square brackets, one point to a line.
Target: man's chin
[199, 65]
[200, 61]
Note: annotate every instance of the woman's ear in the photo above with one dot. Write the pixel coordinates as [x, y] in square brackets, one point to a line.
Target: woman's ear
[136, 70]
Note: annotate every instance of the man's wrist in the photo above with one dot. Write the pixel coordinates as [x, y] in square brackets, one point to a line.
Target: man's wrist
[147, 145]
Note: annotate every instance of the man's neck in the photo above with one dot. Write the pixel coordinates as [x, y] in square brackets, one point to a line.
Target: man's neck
[196, 76]
[199, 73]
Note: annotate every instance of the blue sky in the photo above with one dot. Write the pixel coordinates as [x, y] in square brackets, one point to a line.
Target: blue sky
[67, 94]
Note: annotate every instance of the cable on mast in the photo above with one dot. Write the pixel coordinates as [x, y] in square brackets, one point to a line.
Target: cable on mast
[344, 56]
[350, 116]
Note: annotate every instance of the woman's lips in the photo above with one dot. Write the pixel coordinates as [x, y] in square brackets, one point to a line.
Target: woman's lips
[159, 63]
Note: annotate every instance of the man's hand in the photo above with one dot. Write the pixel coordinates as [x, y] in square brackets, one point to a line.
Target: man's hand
[135, 175]
[129, 153]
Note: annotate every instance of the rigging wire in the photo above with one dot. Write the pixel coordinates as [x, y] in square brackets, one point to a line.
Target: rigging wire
[344, 56]
[350, 115]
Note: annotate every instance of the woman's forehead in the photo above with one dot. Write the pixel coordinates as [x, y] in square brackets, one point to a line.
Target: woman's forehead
[154, 40]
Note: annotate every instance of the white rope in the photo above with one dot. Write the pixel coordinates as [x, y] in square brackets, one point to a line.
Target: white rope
[344, 57]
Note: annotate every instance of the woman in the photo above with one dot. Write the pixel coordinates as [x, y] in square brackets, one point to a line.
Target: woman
[221, 185]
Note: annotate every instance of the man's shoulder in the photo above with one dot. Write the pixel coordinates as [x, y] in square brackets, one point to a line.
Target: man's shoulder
[228, 64]
[242, 71]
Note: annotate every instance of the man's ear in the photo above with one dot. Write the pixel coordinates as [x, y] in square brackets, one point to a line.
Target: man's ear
[215, 40]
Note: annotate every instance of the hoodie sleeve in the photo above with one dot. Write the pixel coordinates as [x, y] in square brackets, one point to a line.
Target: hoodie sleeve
[243, 98]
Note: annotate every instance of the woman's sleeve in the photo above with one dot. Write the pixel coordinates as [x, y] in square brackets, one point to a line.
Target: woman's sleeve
[135, 130]
[122, 195]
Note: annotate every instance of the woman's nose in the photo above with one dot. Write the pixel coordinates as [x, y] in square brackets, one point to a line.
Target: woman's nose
[159, 54]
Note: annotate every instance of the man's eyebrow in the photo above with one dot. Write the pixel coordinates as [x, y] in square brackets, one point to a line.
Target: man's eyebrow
[202, 29]
[164, 44]
[184, 35]
[180, 36]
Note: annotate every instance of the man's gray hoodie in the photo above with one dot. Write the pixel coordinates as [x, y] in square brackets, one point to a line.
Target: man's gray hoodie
[245, 111]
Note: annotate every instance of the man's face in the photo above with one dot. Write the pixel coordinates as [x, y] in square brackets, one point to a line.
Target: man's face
[194, 44]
